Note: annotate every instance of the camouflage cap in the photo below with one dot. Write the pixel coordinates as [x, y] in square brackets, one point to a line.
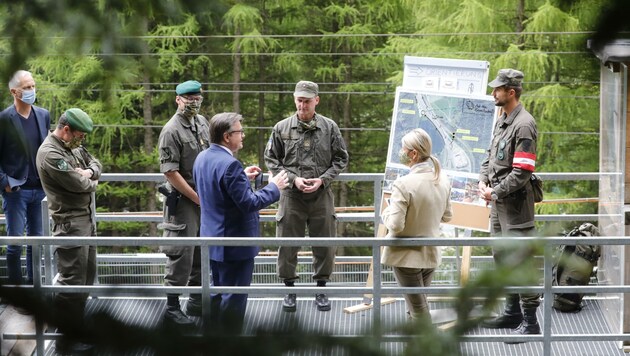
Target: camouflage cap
[79, 120]
[509, 77]
[188, 87]
[306, 89]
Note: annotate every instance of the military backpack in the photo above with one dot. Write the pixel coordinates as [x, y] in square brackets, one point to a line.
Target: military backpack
[573, 266]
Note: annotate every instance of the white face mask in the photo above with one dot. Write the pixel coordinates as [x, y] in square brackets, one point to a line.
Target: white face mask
[28, 97]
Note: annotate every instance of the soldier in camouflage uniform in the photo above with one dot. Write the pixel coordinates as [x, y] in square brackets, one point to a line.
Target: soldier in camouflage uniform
[185, 135]
[504, 182]
[309, 147]
[69, 176]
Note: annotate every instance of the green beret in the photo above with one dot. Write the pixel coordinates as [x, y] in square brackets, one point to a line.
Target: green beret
[79, 120]
[188, 87]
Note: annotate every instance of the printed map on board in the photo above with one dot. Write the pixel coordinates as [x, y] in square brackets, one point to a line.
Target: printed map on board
[460, 129]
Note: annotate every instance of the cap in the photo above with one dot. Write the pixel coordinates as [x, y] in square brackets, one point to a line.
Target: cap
[306, 89]
[79, 120]
[188, 87]
[509, 77]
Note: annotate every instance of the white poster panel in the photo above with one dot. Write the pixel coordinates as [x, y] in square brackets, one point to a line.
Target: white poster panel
[460, 127]
[463, 76]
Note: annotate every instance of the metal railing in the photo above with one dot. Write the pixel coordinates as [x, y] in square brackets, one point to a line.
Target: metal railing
[375, 178]
[377, 290]
[42, 245]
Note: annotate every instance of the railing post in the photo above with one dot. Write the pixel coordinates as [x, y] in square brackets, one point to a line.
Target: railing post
[48, 253]
[37, 274]
[376, 291]
[548, 299]
[378, 185]
[205, 287]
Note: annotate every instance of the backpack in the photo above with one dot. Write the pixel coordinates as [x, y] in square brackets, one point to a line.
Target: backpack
[573, 266]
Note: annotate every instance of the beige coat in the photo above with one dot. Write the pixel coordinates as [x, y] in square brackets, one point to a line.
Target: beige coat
[417, 206]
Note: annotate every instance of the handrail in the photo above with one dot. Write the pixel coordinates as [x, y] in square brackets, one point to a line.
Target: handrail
[377, 290]
[346, 214]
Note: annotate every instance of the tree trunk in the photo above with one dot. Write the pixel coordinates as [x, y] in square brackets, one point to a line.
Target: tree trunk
[149, 143]
[520, 19]
[236, 75]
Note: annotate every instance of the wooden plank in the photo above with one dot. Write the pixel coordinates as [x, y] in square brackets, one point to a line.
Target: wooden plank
[362, 307]
[465, 271]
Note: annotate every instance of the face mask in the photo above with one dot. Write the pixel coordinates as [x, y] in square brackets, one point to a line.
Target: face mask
[74, 143]
[308, 126]
[191, 109]
[28, 97]
[404, 157]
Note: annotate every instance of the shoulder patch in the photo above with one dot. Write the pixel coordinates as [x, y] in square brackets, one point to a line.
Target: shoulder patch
[62, 165]
[166, 154]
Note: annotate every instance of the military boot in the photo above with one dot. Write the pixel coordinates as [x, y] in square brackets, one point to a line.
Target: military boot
[193, 306]
[511, 316]
[173, 316]
[529, 326]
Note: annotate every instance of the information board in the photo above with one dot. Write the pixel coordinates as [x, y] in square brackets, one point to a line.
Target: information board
[460, 127]
[446, 75]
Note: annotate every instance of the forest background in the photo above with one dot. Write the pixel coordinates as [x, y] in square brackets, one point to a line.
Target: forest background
[121, 60]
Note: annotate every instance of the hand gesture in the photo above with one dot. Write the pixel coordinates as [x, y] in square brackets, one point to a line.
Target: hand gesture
[280, 180]
[252, 172]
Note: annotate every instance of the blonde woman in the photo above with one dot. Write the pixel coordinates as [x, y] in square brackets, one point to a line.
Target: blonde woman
[420, 201]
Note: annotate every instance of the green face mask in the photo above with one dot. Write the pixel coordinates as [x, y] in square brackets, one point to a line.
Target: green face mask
[404, 157]
[74, 143]
[191, 109]
[308, 126]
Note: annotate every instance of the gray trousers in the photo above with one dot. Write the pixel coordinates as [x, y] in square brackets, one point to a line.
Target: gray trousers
[501, 255]
[296, 212]
[183, 266]
[417, 305]
[76, 265]
[184, 269]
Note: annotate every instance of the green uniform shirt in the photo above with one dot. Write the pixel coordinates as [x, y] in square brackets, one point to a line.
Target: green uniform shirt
[70, 195]
[316, 153]
[508, 167]
[180, 142]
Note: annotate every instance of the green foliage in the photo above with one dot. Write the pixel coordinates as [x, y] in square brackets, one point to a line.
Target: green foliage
[121, 62]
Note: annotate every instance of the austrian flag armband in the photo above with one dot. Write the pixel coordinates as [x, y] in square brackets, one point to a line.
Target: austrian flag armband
[524, 160]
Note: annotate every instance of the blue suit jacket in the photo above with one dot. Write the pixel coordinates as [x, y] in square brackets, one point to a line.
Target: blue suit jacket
[13, 146]
[229, 206]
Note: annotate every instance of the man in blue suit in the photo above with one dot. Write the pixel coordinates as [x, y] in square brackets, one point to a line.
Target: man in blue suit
[229, 208]
[23, 128]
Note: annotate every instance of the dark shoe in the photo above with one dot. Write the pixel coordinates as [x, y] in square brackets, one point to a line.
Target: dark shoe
[288, 304]
[511, 316]
[525, 329]
[23, 311]
[529, 326]
[322, 302]
[174, 316]
[503, 321]
[73, 348]
[193, 307]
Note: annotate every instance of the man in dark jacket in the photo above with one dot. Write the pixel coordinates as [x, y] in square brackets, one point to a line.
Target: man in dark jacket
[229, 208]
[23, 128]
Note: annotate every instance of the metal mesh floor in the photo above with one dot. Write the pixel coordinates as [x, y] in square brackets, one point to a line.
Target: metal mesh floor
[267, 313]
